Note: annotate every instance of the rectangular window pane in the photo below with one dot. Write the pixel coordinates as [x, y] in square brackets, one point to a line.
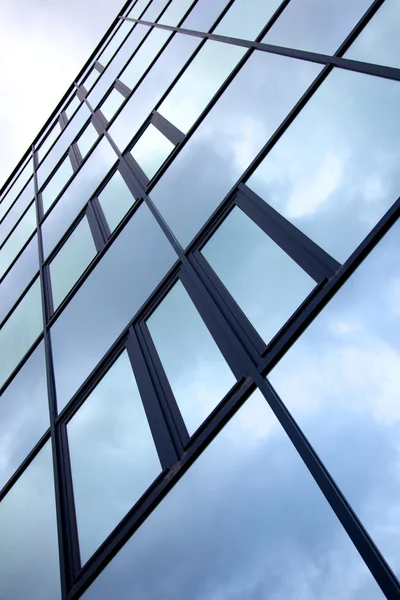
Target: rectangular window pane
[246, 521]
[120, 283]
[91, 79]
[56, 183]
[266, 283]
[342, 181]
[112, 104]
[51, 138]
[16, 188]
[17, 239]
[153, 11]
[196, 370]
[115, 200]
[24, 414]
[151, 150]
[109, 437]
[115, 42]
[71, 261]
[87, 139]
[175, 12]
[246, 19]
[72, 106]
[29, 565]
[24, 199]
[204, 14]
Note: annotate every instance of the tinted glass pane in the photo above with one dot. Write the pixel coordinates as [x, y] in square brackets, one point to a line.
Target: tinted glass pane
[341, 381]
[154, 10]
[246, 19]
[144, 56]
[204, 14]
[72, 106]
[138, 9]
[334, 172]
[16, 211]
[56, 183]
[151, 150]
[20, 331]
[246, 521]
[115, 200]
[267, 284]
[29, 566]
[70, 262]
[120, 283]
[112, 104]
[51, 138]
[109, 437]
[316, 26]
[15, 188]
[24, 414]
[196, 370]
[77, 194]
[379, 42]
[17, 239]
[87, 139]
[175, 12]
[242, 121]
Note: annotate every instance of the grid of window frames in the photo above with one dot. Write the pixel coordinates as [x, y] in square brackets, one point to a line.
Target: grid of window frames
[199, 312]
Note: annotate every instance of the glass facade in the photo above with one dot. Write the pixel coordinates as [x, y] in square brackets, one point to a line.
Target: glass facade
[199, 312]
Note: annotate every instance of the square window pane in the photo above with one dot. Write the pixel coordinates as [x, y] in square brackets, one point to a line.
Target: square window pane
[109, 437]
[56, 183]
[266, 283]
[246, 19]
[71, 261]
[17, 239]
[112, 104]
[196, 370]
[87, 139]
[24, 414]
[151, 150]
[115, 200]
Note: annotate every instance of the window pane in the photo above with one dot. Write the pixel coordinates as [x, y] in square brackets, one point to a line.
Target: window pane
[115, 42]
[87, 139]
[196, 370]
[151, 150]
[23, 201]
[154, 10]
[120, 283]
[341, 381]
[91, 78]
[112, 104]
[337, 185]
[199, 83]
[316, 26]
[175, 12]
[51, 138]
[56, 183]
[138, 9]
[20, 331]
[16, 188]
[109, 437]
[204, 14]
[24, 414]
[379, 42]
[71, 261]
[115, 200]
[266, 283]
[77, 194]
[228, 139]
[72, 106]
[246, 521]
[17, 239]
[29, 566]
[246, 19]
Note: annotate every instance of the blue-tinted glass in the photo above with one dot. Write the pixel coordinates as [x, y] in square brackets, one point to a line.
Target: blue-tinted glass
[151, 150]
[246, 19]
[87, 139]
[15, 188]
[246, 521]
[24, 414]
[16, 211]
[51, 138]
[154, 10]
[109, 298]
[242, 121]
[115, 200]
[91, 79]
[56, 183]
[138, 9]
[204, 14]
[115, 42]
[17, 239]
[112, 104]
[175, 12]
[72, 106]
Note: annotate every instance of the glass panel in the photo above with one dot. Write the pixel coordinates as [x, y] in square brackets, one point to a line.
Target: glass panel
[51, 138]
[199, 83]
[29, 566]
[151, 150]
[144, 56]
[56, 183]
[379, 42]
[341, 381]
[196, 370]
[175, 12]
[109, 437]
[267, 284]
[15, 188]
[20, 331]
[152, 87]
[138, 9]
[246, 521]
[72, 106]
[120, 283]
[91, 78]
[87, 139]
[71, 261]
[24, 414]
[154, 10]
[246, 19]
[115, 200]
[316, 26]
[17, 239]
[204, 14]
[77, 194]
[16, 211]
[112, 104]
[334, 172]
[242, 121]
[115, 42]
[18, 277]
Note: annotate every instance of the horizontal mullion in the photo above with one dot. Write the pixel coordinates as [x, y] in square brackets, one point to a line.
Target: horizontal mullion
[171, 132]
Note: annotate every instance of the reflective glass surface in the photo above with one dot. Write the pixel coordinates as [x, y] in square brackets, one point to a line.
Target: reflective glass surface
[246, 19]
[334, 172]
[246, 521]
[71, 260]
[154, 10]
[138, 9]
[151, 150]
[196, 370]
[124, 278]
[87, 139]
[341, 381]
[199, 83]
[112, 104]
[175, 12]
[20, 331]
[29, 565]
[204, 14]
[115, 200]
[242, 121]
[15, 188]
[316, 26]
[56, 183]
[24, 414]
[91, 78]
[116, 41]
[109, 437]
[72, 106]
[16, 211]
[266, 283]
[17, 239]
[51, 138]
